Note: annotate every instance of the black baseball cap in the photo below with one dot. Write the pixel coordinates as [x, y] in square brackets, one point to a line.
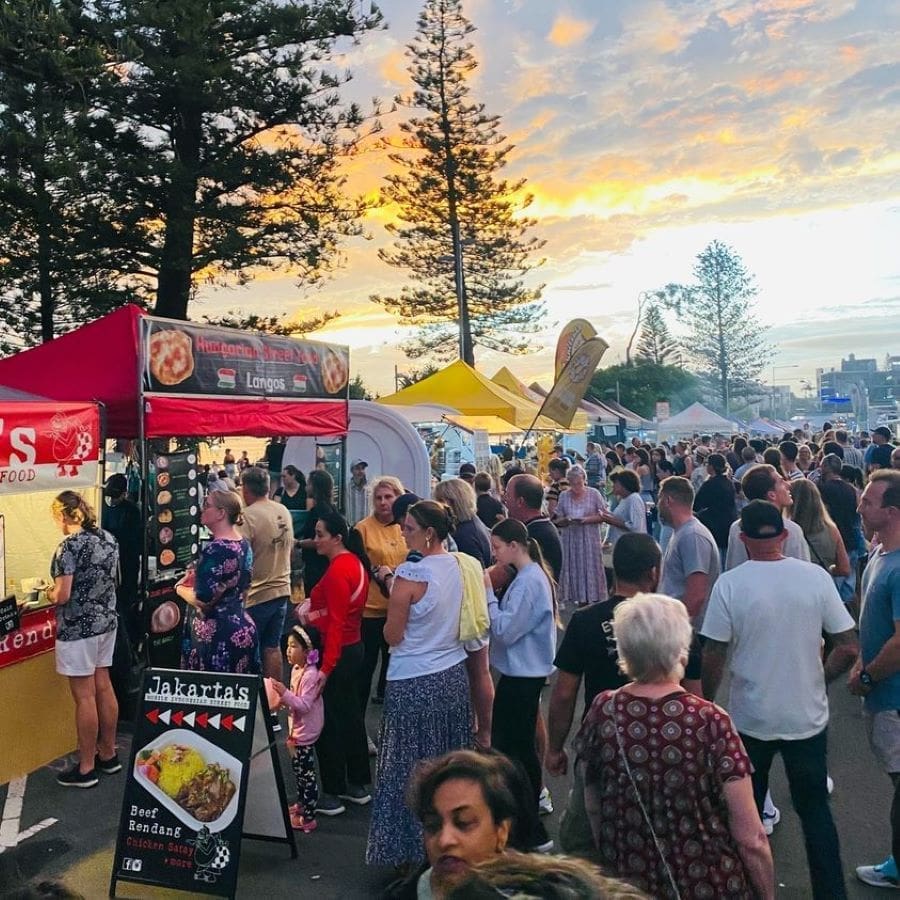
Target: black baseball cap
[761, 520]
[467, 469]
[402, 504]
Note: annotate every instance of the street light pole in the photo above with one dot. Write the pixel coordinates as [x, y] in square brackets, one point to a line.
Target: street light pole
[794, 366]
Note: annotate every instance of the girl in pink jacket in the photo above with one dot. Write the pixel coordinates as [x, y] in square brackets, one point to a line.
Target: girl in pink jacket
[305, 719]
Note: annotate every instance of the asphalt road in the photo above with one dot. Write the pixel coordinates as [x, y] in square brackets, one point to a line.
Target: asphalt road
[77, 849]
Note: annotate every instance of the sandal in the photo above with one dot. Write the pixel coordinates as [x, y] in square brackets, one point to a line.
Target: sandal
[298, 823]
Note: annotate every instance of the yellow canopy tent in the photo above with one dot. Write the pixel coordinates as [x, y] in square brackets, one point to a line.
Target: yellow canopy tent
[507, 380]
[473, 394]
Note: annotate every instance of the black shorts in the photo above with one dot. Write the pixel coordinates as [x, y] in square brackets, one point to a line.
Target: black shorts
[694, 666]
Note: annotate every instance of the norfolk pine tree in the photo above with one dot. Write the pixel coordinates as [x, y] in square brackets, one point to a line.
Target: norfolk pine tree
[230, 128]
[55, 270]
[726, 342]
[458, 233]
[656, 344]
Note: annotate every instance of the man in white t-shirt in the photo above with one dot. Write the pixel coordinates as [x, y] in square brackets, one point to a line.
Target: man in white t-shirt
[770, 613]
[764, 483]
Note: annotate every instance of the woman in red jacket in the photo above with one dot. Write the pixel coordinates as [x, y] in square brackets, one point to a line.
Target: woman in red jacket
[336, 607]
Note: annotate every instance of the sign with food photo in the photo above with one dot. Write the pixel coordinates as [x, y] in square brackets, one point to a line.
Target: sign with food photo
[182, 812]
[184, 358]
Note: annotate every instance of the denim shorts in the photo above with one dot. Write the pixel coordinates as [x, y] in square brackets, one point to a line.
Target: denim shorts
[269, 620]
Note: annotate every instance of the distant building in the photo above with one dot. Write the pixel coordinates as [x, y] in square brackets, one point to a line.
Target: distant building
[860, 390]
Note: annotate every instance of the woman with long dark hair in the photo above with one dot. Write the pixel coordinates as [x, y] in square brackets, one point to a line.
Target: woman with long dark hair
[523, 645]
[427, 710]
[335, 608]
[319, 490]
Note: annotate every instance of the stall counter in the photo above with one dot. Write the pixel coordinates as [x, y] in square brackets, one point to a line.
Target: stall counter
[38, 713]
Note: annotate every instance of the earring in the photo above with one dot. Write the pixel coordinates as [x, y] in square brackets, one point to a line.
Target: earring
[427, 543]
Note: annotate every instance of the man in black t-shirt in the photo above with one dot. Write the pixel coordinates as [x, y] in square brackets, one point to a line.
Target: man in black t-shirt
[523, 498]
[588, 650]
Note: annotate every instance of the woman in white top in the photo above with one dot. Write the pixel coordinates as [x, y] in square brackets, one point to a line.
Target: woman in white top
[630, 512]
[427, 711]
[523, 645]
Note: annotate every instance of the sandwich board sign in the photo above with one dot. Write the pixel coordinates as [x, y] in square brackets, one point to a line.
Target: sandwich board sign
[203, 769]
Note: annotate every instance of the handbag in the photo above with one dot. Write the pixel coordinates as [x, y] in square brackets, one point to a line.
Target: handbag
[637, 794]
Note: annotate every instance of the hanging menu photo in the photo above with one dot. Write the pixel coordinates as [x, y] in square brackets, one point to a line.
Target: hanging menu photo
[182, 812]
[176, 509]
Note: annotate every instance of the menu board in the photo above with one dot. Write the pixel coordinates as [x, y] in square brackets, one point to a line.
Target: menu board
[328, 457]
[183, 358]
[187, 781]
[9, 615]
[176, 510]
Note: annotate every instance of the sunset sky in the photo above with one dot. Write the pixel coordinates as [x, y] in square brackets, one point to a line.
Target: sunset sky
[646, 129]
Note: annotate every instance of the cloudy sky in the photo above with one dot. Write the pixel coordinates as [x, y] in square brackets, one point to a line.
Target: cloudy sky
[646, 129]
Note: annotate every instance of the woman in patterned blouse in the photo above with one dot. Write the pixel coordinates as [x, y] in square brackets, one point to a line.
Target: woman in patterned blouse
[667, 779]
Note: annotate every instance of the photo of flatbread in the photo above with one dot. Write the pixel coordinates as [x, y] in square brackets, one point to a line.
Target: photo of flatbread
[335, 372]
[163, 479]
[171, 356]
[163, 497]
[167, 557]
[165, 517]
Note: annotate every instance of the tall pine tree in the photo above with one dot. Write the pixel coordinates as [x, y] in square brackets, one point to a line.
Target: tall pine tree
[656, 344]
[726, 342]
[229, 127]
[459, 232]
[56, 271]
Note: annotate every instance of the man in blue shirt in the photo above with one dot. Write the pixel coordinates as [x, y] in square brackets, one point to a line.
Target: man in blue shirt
[876, 674]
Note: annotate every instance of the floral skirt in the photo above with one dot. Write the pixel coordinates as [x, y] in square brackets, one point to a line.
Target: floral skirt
[423, 718]
[223, 641]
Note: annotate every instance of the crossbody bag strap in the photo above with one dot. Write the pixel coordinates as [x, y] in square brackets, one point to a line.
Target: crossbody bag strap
[637, 794]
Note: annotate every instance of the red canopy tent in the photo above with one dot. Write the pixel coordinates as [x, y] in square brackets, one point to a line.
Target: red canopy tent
[160, 377]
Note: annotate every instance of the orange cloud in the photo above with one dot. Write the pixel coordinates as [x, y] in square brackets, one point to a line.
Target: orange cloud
[849, 54]
[567, 31]
[771, 84]
[393, 67]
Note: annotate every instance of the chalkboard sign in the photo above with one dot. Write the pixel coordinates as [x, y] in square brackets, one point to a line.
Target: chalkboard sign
[202, 749]
[9, 615]
[165, 613]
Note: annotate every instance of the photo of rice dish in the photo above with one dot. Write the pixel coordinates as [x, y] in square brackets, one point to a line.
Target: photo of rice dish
[201, 789]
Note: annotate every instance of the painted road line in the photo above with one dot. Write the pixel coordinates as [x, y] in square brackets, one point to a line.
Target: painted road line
[10, 836]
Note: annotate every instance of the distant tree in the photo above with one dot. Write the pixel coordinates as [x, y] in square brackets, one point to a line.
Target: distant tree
[411, 376]
[656, 343]
[358, 389]
[229, 128]
[279, 324]
[460, 233]
[640, 387]
[56, 271]
[726, 342]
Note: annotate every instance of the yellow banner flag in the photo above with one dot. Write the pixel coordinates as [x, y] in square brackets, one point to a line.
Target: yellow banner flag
[570, 339]
[572, 382]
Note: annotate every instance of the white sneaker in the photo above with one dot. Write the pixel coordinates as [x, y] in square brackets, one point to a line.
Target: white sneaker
[769, 808]
[545, 803]
[829, 783]
[884, 875]
[770, 819]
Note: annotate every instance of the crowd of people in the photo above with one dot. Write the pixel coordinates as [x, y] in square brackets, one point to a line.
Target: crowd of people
[676, 567]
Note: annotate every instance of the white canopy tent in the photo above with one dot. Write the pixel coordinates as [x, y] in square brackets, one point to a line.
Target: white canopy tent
[695, 419]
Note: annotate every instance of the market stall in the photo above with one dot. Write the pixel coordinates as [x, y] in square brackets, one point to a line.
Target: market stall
[166, 384]
[45, 447]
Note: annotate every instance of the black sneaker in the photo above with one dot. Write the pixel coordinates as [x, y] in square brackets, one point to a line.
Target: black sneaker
[329, 806]
[108, 766]
[359, 796]
[77, 779]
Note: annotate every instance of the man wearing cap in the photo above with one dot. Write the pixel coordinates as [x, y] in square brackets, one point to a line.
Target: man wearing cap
[122, 519]
[876, 674]
[357, 492]
[770, 613]
[467, 472]
[878, 453]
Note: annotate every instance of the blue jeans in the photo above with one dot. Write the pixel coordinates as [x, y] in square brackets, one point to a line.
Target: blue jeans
[805, 763]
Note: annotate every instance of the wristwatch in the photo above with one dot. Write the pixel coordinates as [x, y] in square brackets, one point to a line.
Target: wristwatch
[865, 679]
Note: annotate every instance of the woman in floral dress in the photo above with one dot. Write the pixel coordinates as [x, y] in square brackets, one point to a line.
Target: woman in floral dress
[578, 517]
[221, 637]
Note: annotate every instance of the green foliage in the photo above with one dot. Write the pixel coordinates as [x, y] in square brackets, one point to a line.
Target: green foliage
[56, 271]
[411, 376]
[279, 324]
[452, 204]
[639, 387]
[358, 389]
[656, 343]
[726, 342]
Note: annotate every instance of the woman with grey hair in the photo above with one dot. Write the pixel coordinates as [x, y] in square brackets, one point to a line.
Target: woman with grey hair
[470, 534]
[673, 767]
[578, 516]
